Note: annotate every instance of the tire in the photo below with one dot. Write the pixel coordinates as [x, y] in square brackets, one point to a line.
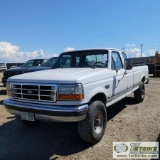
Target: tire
[147, 81]
[26, 123]
[139, 94]
[92, 128]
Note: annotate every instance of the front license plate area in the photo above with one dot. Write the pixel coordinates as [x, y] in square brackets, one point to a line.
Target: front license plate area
[27, 116]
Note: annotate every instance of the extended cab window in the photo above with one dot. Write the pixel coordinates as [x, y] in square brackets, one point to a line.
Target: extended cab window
[116, 61]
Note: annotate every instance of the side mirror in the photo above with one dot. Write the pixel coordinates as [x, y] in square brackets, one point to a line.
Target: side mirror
[128, 65]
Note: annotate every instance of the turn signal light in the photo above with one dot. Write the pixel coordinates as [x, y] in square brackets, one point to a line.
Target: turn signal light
[8, 92]
[70, 96]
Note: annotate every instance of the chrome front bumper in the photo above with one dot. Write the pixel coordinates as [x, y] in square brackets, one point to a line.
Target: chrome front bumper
[48, 112]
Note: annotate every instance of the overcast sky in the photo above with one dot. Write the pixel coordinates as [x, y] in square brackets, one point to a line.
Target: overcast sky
[44, 28]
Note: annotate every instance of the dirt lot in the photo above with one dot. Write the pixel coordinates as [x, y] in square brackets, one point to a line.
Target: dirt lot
[127, 121]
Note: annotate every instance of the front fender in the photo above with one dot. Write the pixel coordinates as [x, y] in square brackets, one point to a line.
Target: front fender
[96, 91]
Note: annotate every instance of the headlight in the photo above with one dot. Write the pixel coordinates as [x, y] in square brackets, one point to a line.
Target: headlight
[70, 92]
[8, 89]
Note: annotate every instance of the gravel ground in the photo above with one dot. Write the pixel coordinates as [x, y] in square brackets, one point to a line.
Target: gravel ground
[127, 121]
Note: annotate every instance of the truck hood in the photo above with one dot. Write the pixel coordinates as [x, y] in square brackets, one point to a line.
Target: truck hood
[64, 75]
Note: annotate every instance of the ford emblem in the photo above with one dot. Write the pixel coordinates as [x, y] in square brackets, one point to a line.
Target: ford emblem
[30, 92]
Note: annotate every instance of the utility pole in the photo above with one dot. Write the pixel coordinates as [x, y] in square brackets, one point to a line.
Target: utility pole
[141, 49]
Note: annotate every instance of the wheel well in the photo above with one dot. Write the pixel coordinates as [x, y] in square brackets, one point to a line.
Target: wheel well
[143, 79]
[100, 96]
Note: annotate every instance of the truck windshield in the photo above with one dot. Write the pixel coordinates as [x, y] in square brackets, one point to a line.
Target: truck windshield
[32, 63]
[49, 63]
[89, 58]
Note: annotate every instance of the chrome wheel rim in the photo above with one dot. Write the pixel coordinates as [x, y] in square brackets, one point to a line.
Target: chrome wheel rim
[143, 91]
[98, 122]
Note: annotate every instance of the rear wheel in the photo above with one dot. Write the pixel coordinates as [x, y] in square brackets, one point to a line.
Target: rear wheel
[139, 94]
[93, 127]
[26, 123]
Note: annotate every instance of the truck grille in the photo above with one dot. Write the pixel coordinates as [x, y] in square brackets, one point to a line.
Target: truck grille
[38, 92]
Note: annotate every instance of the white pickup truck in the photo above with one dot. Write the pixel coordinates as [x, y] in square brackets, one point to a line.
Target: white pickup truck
[79, 88]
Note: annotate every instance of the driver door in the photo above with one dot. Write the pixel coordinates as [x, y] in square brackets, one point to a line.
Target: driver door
[119, 74]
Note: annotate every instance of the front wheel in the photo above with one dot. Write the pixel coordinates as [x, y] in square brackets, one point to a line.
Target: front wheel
[139, 94]
[93, 127]
[147, 81]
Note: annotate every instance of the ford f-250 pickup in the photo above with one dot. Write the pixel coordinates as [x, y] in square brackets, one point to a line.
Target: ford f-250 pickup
[79, 88]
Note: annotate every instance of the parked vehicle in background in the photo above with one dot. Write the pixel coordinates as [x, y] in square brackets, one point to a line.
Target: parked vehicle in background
[13, 67]
[154, 64]
[156, 61]
[19, 70]
[3, 67]
[79, 88]
[9, 65]
[151, 67]
[140, 60]
[45, 65]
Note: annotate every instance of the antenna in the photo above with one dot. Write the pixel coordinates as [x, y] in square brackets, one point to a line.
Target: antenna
[141, 49]
[123, 48]
[45, 46]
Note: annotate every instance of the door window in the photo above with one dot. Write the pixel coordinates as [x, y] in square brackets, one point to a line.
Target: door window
[124, 55]
[116, 60]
